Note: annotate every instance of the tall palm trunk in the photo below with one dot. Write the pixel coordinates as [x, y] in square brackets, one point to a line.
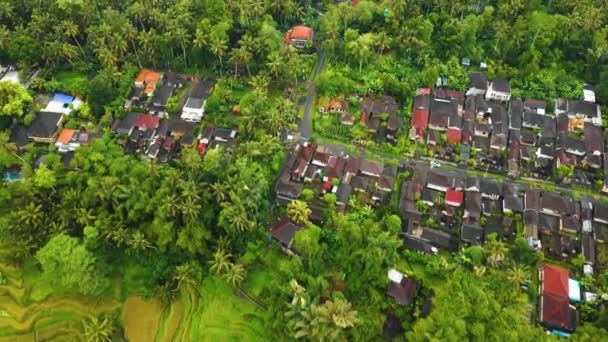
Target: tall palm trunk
[136, 53]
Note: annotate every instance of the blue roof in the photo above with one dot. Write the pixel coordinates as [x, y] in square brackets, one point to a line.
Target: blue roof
[63, 98]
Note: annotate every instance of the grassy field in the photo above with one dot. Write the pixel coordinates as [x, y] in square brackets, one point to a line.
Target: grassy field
[222, 316]
[141, 318]
[31, 309]
[70, 81]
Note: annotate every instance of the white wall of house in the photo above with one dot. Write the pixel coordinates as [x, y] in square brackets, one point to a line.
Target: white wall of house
[192, 113]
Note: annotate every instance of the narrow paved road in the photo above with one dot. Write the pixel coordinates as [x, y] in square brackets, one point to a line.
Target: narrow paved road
[305, 124]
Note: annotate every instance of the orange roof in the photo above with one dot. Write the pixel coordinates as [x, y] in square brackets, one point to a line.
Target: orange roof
[149, 77]
[65, 136]
[300, 32]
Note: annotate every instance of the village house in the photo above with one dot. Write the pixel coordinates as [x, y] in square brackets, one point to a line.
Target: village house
[554, 309]
[478, 84]
[299, 36]
[499, 90]
[45, 127]
[283, 231]
[71, 139]
[194, 108]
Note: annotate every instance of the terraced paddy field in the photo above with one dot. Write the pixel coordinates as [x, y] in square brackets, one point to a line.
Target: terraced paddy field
[30, 311]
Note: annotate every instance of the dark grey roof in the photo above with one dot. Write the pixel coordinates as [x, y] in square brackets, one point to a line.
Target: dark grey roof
[343, 193]
[478, 80]
[513, 203]
[502, 85]
[202, 89]
[162, 94]
[44, 125]
[360, 183]
[490, 187]
[439, 238]
[126, 124]
[516, 112]
[471, 233]
[417, 244]
[588, 247]
[284, 231]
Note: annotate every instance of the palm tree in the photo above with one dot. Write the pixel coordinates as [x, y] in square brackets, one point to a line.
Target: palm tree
[187, 276]
[98, 330]
[181, 36]
[70, 29]
[383, 41]
[340, 312]
[518, 274]
[138, 242]
[495, 250]
[479, 270]
[220, 191]
[235, 275]
[259, 84]
[298, 211]
[171, 205]
[275, 120]
[8, 147]
[221, 262]
[167, 292]
[218, 47]
[190, 208]
[131, 33]
[31, 215]
[240, 56]
[275, 63]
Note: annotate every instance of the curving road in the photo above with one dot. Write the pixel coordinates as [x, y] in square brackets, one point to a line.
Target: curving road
[305, 124]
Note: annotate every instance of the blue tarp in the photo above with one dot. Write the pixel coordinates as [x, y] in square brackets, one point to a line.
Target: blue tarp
[63, 98]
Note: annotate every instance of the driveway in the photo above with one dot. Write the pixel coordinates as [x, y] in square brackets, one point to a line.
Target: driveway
[305, 124]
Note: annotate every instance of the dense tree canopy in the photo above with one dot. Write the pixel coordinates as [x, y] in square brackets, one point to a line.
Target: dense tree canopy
[162, 228]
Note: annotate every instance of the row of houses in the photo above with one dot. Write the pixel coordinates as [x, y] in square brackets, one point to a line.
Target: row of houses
[379, 114]
[323, 169]
[163, 139]
[513, 136]
[466, 208]
[152, 90]
[47, 126]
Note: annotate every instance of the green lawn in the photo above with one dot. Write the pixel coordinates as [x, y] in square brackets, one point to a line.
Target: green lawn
[222, 316]
[70, 81]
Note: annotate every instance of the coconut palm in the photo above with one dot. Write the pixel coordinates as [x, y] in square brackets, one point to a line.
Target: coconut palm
[495, 250]
[260, 84]
[221, 262]
[139, 242]
[187, 276]
[275, 63]
[518, 274]
[8, 147]
[218, 47]
[298, 211]
[235, 275]
[98, 330]
[190, 208]
[220, 190]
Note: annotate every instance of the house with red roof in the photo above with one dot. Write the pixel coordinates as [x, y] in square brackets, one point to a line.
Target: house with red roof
[420, 121]
[454, 135]
[454, 198]
[555, 311]
[299, 36]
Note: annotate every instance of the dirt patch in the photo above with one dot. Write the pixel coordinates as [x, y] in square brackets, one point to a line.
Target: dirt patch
[141, 318]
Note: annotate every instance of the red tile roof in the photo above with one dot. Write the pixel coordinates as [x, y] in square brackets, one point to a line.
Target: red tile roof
[301, 32]
[146, 121]
[454, 135]
[420, 118]
[453, 197]
[202, 147]
[555, 280]
[150, 78]
[554, 311]
[66, 136]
